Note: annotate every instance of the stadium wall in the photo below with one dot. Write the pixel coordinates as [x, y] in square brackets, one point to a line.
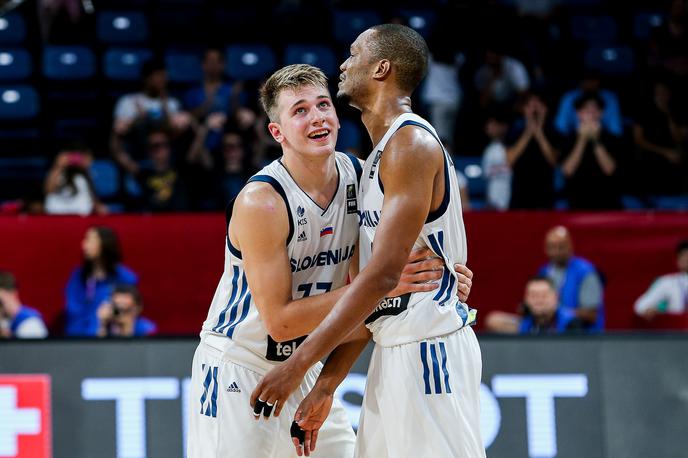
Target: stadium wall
[180, 258]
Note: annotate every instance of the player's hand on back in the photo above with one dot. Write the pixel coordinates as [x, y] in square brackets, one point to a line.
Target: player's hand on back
[310, 416]
[423, 271]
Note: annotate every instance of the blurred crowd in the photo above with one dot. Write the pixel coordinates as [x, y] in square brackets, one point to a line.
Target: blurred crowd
[541, 96]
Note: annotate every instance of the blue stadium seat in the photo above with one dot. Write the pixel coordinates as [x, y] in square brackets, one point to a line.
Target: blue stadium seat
[670, 202]
[15, 64]
[421, 21]
[472, 169]
[601, 30]
[12, 29]
[349, 136]
[68, 62]
[18, 102]
[124, 64]
[611, 60]
[122, 27]
[183, 67]
[105, 178]
[249, 62]
[349, 24]
[319, 56]
[644, 22]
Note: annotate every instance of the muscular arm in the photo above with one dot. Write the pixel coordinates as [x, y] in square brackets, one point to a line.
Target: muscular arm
[409, 168]
[266, 262]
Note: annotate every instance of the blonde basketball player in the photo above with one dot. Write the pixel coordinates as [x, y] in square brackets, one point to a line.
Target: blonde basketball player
[422, 392]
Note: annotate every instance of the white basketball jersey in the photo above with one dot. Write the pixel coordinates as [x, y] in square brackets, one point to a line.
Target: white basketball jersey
[417, 316]
[321, 243]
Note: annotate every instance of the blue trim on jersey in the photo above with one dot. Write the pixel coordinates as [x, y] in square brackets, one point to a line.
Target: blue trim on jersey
[426, 369]
[235, 305]
[433, 215]
[221, 319]
[443, 351]
[231, 248]
[206, 387]
[213, 397]
[244, 312]
[357, 166]
[436, 369]
[278, 187]
[437, 247]
[450, 288]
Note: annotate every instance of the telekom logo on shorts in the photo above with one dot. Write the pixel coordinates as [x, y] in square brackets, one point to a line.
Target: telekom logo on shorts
[25, 424]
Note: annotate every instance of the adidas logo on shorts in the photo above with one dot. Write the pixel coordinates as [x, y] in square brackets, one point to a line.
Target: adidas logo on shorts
[233, 388]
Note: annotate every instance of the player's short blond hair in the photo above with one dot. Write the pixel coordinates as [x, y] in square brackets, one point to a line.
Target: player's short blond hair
[290, 77]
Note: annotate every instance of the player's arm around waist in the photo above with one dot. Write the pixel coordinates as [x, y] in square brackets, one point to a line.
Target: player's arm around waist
[409, 168]
[259, 229]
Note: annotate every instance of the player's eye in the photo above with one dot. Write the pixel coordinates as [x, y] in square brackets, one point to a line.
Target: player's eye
[324, 104]
[300, 110]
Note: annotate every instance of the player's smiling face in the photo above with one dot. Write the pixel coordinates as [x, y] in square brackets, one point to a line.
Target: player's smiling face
[307, 121]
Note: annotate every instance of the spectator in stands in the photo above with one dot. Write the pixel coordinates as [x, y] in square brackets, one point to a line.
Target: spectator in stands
[121, 315]
[442, 94]
[17, 320]
[531, 156]
[69, 187]
[137, 114]
[566, 120]
[213, 95]
[91, 284]
[580, 290]
[161, 182]
[501, 79]
[668, 293]
[668, 47]
[541, 312]
[591, 159]
[577, 280]
[660, 135]
[236, 166]
[496, 167]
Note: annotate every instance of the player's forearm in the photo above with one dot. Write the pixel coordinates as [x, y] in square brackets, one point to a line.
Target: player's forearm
[350, 311]
[299, 317]
[340, 361]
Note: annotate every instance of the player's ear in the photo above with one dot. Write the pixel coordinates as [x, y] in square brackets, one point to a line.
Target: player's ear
[276, 132]
[382, 69]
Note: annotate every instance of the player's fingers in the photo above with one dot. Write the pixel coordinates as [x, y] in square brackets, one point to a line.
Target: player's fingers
[460, 268]
[258, 407]
[277, 407]
[463, 293]
[423, 276]
[254, 395]
[299, 448]
[314, 439]
[267, 410]
[307, 443]
[419, 254]
[464, 279]
[426, 264]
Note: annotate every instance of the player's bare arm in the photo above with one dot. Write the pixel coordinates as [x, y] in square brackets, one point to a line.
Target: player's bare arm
[268, 271]
[412, 172]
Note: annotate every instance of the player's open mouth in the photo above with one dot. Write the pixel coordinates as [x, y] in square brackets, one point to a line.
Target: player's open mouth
[319, 135]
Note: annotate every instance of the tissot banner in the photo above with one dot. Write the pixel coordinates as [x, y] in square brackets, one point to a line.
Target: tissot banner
[618, 396]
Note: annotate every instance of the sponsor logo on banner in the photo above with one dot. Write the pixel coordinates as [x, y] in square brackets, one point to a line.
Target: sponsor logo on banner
[25, 425]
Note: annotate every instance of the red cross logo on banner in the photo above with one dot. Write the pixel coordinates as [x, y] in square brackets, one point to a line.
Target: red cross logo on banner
[25, 425]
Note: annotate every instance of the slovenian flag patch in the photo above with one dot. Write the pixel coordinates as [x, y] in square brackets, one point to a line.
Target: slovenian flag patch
[326, 231]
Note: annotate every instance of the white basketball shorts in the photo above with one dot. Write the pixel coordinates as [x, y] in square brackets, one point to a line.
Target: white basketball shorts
[422, 399]
[221, 421]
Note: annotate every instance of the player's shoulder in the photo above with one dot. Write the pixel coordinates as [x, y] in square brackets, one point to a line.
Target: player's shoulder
[259, 197]
[413, 144]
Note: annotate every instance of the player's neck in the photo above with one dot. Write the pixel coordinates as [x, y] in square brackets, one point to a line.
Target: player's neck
[315, 176]
[380, 113]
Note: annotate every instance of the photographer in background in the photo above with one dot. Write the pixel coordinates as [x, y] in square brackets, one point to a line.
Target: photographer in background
[69, 187]
[16, 320]
[120, 317]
